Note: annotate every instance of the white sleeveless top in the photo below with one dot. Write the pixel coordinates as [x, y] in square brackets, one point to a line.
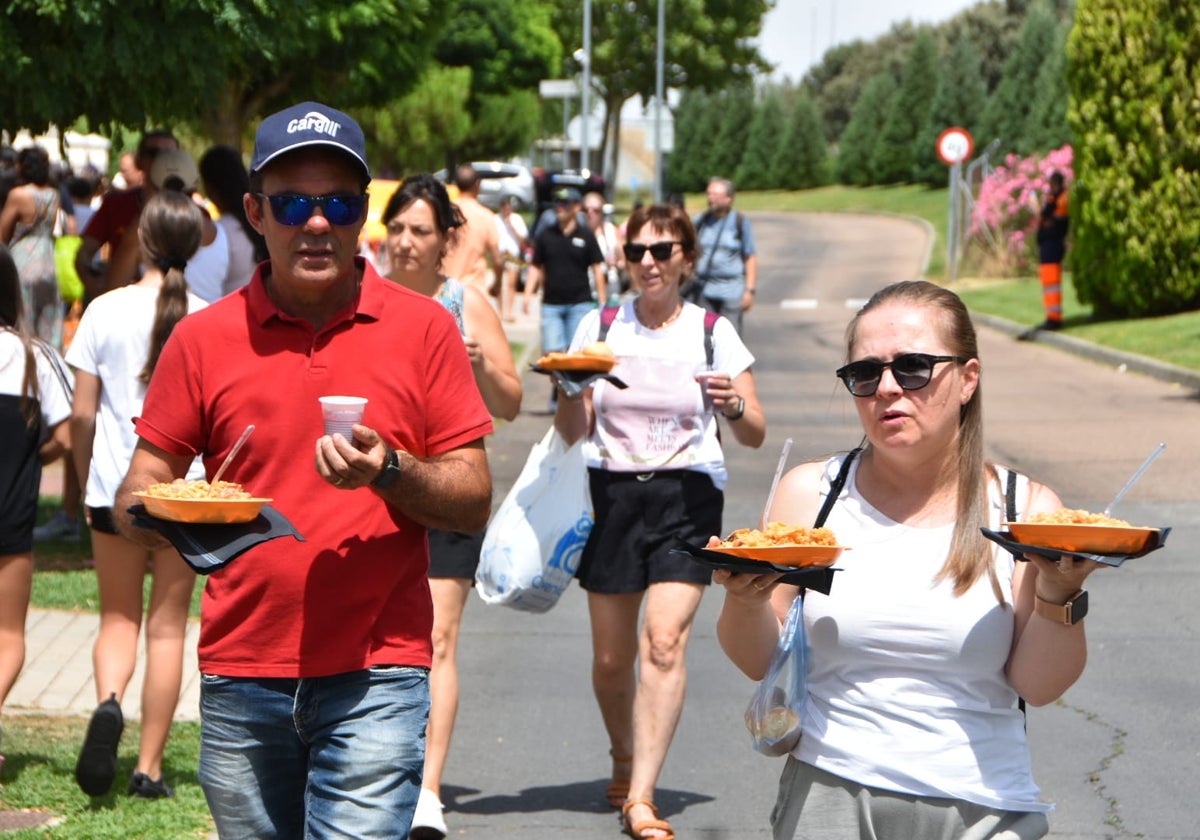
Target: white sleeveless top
[906, 682]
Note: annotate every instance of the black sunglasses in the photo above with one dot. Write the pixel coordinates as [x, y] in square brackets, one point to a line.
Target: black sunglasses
[294, 209]
[912, 372]
[659, 250]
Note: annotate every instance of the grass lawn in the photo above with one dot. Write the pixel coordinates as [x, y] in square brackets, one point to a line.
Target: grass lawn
[39, 775]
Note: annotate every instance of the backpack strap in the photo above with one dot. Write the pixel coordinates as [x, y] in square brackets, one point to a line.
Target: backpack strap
[835, 486]
[741, 229]
[710, 321]
[608, 314]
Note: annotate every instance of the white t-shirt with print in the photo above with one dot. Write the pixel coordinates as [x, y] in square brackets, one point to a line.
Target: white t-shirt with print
[663, 420]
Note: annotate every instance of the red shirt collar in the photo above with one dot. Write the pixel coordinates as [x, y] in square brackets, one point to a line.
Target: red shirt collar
[368, 305]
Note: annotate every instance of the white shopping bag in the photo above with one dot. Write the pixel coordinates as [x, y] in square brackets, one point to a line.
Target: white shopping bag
[533, 544]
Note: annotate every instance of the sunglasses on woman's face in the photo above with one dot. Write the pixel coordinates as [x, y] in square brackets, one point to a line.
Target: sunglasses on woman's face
[659, 250]
[912, 372]
[294, 209]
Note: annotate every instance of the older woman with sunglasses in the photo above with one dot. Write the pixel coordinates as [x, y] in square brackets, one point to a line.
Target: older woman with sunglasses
[930, 634]
[657, 472]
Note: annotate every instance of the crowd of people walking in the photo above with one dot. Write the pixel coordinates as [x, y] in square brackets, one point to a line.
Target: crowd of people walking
[330, 684]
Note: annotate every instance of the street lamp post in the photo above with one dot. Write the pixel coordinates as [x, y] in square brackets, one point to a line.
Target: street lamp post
[658, 100]
[585, 105]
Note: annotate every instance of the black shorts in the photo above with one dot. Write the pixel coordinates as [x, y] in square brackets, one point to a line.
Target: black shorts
[638, 517]
[102, 520]
[453, 554]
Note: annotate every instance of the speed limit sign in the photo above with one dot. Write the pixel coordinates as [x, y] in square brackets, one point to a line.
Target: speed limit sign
[954, 145]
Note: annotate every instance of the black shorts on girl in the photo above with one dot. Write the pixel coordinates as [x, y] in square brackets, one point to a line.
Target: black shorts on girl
[102, 520]
[638, 518]
[453, 554]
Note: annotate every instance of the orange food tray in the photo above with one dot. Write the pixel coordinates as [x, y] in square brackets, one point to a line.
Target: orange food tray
[202, 511]
[1089, 539]
[787, 555]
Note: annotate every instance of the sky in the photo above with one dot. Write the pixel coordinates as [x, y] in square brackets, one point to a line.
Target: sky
[796, 33]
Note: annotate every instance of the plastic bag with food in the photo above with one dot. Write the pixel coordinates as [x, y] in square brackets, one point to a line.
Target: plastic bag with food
[777, 707]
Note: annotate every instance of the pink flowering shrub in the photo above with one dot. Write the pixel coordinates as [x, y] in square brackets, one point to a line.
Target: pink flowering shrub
[1008, 205]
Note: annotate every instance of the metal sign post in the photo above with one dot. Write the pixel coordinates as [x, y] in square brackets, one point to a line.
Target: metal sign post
[954, 145]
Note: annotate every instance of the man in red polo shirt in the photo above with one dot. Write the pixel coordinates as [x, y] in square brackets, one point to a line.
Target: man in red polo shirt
[315, 654]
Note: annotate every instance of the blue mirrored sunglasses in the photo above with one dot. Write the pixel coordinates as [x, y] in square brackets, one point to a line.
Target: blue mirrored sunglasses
[294, 209]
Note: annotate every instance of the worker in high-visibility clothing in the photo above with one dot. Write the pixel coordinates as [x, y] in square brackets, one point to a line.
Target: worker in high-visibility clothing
[1052, 246]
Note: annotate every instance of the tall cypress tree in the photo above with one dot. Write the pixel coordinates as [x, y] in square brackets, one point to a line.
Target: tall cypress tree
[686, 170]
[802, 159]
[853, 164]
[1048, 127]
[729, 143]
[892, 158]
[1006, 117]
[756, 172]
[1135, 203]
[959, 101]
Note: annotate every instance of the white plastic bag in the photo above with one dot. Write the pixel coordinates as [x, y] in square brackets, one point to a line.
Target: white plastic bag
[533, 544]
[777, 707]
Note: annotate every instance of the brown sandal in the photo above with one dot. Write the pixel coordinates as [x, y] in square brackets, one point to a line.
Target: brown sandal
[618, 789]
[638, 830]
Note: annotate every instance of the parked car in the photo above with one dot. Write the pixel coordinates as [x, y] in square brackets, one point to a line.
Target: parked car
[548, 182]
[499, 181]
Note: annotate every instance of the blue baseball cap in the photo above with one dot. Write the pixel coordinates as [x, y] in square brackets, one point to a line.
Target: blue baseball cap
[308, 124]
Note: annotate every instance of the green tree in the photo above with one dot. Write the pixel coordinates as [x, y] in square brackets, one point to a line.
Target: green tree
[1135, 208]
[709, 44]
[1048, 127]
[756, 169]
[412, 133]
[729, 143]
[837, 82]
[857, 144]
[1006, 117]
[801, 160]
[892, 158]
[510, 46]
[958, 102]
[687, 169]
[213, 64]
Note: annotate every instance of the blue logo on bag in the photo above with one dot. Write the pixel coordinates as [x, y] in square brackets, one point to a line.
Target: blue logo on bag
[569, 548]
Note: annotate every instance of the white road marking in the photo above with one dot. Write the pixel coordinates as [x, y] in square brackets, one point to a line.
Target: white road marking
[798, 303]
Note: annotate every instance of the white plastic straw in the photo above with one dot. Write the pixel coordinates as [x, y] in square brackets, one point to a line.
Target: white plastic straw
[787, 446]
[1121, 493]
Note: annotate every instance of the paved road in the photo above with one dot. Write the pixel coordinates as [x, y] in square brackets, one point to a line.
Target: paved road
[1117, 754]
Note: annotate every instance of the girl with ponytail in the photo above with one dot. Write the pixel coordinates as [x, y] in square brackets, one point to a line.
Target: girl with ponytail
[114, 354]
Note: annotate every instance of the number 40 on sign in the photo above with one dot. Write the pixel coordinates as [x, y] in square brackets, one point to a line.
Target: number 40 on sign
[954, 145]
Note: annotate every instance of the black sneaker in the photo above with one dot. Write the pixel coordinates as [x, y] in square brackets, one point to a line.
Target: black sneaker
[97, 765]
[1050, 325]
[142, 785]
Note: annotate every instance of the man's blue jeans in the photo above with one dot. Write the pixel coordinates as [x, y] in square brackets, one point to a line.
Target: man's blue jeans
[339, 756]
[559, 322]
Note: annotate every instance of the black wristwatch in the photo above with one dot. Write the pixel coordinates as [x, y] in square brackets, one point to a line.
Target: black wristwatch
[391, 471]
[741, 409]
[1071, 612]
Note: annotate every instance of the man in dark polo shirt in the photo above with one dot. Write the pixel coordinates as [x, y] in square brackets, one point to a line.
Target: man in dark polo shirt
[563, 255]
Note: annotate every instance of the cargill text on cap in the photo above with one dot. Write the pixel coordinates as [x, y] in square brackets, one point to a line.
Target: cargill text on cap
[308, 124]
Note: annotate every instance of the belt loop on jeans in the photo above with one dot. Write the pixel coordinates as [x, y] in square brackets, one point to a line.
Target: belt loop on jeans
[644, 476]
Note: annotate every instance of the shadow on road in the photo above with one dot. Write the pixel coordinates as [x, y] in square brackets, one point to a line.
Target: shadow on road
[583, 797]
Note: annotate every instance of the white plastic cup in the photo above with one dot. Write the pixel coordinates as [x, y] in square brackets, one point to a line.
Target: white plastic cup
[341, 413]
